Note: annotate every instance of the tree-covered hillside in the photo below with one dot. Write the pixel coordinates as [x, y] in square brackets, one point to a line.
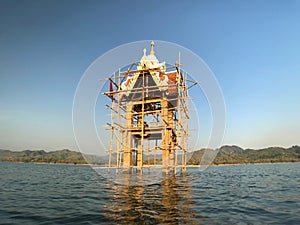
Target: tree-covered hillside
[237, 155]
[226, 155]
[40, 156]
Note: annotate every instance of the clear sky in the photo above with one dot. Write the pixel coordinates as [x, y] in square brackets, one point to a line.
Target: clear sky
[253, 48]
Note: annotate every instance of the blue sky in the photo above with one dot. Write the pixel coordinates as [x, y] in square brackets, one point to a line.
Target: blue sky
[252, 47]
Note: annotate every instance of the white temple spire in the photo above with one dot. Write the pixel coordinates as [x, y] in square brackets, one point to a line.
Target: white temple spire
[152, 48]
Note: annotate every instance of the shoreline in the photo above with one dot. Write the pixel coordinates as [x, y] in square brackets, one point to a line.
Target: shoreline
[67, 164]
[239, 164]
[46, 163]
[256, 163]
[188, 166]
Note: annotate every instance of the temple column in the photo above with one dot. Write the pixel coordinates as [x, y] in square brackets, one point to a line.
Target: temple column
[128, 137]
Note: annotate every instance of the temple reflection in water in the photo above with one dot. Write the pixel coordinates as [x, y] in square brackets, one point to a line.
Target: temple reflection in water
[170, 202]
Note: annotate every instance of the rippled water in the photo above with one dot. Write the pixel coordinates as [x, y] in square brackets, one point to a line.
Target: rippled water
[61, 194]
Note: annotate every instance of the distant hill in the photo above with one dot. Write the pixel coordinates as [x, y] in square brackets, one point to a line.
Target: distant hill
[41, 156]
[237, 155]
[226, 155]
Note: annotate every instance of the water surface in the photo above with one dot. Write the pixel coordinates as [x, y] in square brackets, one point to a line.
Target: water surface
[64, 194]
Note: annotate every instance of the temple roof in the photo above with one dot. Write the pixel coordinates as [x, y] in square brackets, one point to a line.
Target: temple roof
[161, 77]
[150, 61]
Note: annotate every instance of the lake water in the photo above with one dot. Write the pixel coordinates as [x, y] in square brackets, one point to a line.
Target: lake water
[62, 194]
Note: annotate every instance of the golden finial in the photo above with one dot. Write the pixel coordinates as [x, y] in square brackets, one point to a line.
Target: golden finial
[152, 48]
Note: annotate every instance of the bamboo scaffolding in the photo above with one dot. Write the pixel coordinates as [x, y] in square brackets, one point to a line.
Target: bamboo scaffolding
[149, 131]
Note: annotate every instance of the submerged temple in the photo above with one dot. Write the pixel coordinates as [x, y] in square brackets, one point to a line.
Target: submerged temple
[149, 116]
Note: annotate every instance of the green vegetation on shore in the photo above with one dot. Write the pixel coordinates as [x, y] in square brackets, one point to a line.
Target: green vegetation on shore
[237, 155]
[41, 156]
[226, 155]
